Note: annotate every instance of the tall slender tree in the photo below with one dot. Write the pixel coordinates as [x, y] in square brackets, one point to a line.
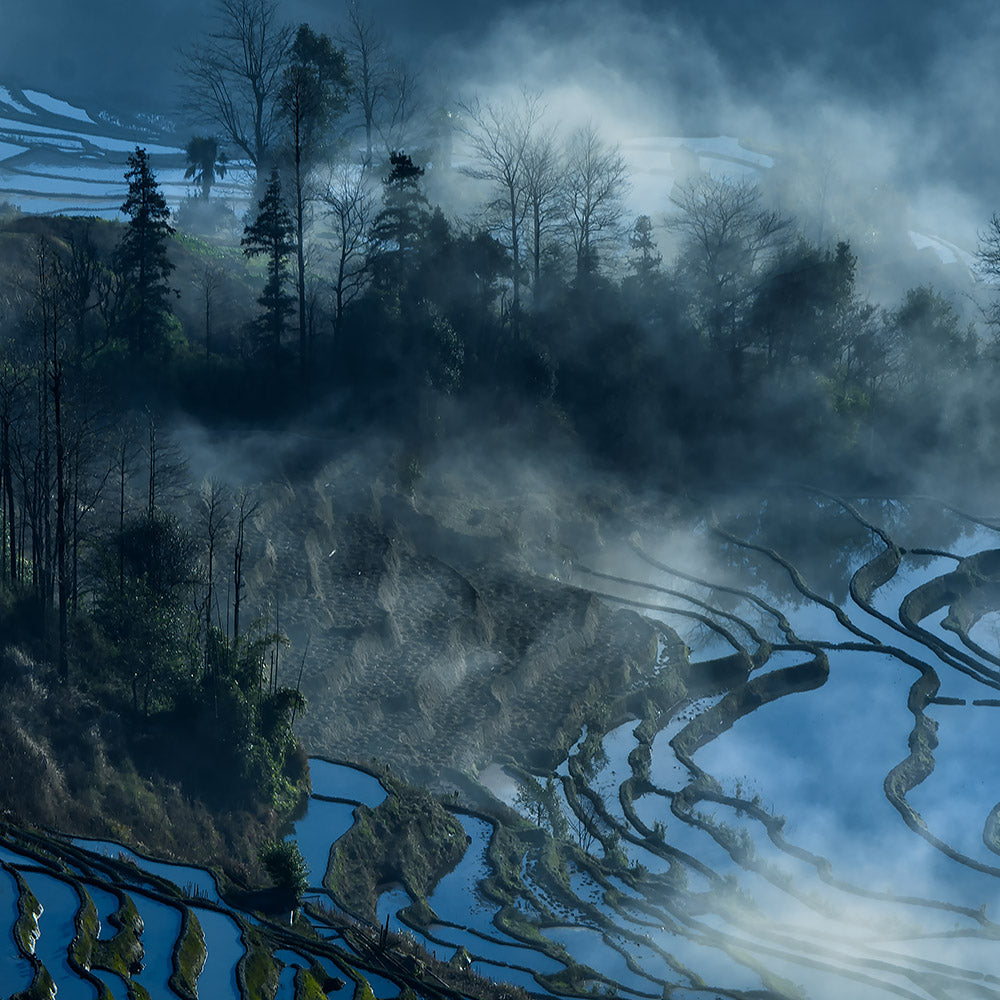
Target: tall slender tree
[596, 179]
[141, 257]
[500, 138]
[311, 97]
[273, 235]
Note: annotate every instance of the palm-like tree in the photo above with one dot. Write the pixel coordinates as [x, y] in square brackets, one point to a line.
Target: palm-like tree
[205, 163]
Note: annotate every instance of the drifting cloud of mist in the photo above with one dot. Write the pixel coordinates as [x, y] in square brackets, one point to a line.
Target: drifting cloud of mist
[878, 112]
[876, 132]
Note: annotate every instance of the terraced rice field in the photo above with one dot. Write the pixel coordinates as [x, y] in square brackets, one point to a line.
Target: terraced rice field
[794, 798]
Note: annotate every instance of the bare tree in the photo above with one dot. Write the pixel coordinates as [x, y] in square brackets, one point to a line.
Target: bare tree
[596, 178]
[246, 506]
[402, 104]
[216, 506]
[543, 172]
[311, 97]
[209, 281]
[500, 138]
[988, 264]
[350, 205]
[233, 78]
[368, 58]
[728, 239]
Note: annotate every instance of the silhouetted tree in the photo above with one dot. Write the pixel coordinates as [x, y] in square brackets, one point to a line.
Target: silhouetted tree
[141, 257]
[233, 78]
[205, 163]
[798, 311]
[543, 177]
[729, 241]
[595, 180]
[350, 210]
[273, 235]
[311, 96]
[145, 617]
[500, 139]
[645, 258]
[370, 69]
[398, 229]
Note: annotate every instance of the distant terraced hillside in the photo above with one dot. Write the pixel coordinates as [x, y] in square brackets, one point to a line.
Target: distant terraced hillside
[58, 158]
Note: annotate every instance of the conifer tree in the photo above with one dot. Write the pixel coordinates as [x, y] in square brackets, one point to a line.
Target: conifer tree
[141, 257]
[273, 235]
[400, 226]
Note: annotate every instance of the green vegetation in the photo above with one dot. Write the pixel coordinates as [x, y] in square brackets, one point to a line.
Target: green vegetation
[257, 971]
[283, 862]
[409, 838]
[189, 957]
[124, 951]
[28, 910]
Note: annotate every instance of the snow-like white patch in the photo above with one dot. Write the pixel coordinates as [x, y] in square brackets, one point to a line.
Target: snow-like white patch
[36, 133]
[51, 205]
[658, 149]
[9, 149]
[128, 146]
[64, 142]
[730, 147]
[11, 101]
[62, 186]
[56, 107]
[947, 252]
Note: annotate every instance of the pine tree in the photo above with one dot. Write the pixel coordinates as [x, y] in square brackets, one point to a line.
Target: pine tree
[272, 234]
[141, 257]
[399, 228]
[645, 258]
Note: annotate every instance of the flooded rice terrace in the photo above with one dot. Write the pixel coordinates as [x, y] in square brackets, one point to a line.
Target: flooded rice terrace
[799, 799]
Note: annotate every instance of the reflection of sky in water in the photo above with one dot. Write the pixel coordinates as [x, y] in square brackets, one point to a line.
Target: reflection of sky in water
[682, 835]
[495, 951]
[389, 903]
[59, 905]
[504, 974]
[986, 632]
[823, 754]
[225, 949]
[339, 781]
[714, 965]
[617, 744]
[958, 796]
[196, 881]
[161, 927]
[589, 948]
[316, 832]
[286, 981]
[383, 988]
[107, 905]
[456, 898]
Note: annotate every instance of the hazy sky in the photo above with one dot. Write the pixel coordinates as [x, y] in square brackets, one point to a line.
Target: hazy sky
[104, 48]
[900, 90]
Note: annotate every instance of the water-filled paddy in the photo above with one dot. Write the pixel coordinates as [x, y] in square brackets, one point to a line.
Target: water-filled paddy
[15, 970]
[339, 781]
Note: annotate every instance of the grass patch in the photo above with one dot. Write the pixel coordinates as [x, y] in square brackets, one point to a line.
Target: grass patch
[409, 838]
[189, 957]
[123, 952]
[257, 972]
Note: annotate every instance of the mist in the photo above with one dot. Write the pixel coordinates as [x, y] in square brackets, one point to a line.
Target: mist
[687, 596]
